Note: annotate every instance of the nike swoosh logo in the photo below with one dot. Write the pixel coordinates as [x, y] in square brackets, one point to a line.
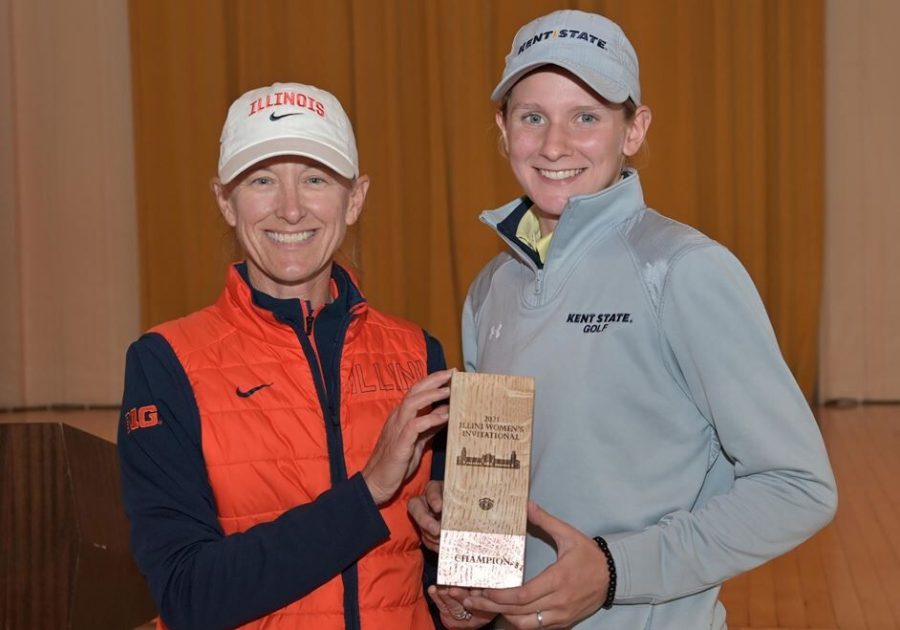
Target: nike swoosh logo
[273, 116]
[251, 391]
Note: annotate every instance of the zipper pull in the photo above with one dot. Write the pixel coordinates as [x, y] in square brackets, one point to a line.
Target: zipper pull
[309, 317]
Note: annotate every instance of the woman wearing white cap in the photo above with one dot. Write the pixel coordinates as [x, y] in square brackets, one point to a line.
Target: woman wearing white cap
[270, 442]
[672, 447]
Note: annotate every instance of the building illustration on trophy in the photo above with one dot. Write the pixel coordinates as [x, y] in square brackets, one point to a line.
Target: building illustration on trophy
[488, 460]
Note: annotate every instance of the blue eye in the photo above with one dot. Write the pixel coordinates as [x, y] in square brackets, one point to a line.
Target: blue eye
[533, 118]
[315, 179]
[262, 180]
[587, 118]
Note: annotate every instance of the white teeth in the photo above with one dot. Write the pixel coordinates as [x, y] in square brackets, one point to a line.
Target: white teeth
[289, 237]
[560, 174]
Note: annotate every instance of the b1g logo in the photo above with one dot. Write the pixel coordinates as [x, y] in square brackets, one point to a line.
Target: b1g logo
[141, 417]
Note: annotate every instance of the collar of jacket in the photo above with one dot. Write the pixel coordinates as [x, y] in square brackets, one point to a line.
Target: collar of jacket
[586, 218]
[269, 318]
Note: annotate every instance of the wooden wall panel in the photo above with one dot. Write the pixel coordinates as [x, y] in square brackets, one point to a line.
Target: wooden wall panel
[861, 301]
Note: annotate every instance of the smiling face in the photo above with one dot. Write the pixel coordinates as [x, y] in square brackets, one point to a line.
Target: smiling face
[290, 215]
[565, 140]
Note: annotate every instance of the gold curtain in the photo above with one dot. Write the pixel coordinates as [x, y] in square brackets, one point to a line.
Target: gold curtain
[736, 146]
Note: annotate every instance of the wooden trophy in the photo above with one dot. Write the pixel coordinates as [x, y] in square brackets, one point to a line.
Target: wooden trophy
[483, 519]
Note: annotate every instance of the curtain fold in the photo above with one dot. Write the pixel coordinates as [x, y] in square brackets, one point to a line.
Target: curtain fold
[736, 146]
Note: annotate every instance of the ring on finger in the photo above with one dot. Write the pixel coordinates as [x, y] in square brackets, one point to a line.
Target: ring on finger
[540, 618]
[463, 615]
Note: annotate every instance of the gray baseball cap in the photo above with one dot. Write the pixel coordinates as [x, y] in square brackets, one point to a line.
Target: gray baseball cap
[590, 46]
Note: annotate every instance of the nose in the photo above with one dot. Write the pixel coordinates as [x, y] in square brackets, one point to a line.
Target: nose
[290, 204]
[555, 144]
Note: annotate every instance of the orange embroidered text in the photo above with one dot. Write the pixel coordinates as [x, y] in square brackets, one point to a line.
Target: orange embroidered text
[141, 417]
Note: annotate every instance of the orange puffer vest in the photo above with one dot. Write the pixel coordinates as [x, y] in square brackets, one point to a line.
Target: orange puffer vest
[268, 452]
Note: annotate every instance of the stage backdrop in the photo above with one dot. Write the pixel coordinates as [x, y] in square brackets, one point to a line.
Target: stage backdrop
[735, 149]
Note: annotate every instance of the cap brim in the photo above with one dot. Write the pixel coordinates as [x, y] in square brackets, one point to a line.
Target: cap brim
[305, 147]
[612, 91]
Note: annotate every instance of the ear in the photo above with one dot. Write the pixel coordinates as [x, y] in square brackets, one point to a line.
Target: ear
[500, 119]
[223, 198]
[637, 131]
[357, 198]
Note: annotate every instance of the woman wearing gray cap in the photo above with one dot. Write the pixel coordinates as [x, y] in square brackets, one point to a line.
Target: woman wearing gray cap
[270, 442]
[672, 448]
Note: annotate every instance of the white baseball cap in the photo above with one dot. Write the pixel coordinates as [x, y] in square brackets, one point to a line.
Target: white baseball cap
[590, 46]
[287, 119]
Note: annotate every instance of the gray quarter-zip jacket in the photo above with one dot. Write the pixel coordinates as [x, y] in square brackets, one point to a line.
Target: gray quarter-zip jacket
[666, 419]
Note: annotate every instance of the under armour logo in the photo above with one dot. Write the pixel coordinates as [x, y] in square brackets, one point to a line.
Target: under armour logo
[495, 331]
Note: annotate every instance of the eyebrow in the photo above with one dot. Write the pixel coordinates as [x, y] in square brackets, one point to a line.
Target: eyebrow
[527, 106]
[582, 106]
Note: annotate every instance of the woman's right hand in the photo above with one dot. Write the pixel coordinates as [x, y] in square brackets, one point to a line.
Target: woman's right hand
[454, 616]
[404, 435]
[426, 512]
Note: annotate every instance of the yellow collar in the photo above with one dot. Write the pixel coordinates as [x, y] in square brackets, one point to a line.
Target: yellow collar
[529, 232]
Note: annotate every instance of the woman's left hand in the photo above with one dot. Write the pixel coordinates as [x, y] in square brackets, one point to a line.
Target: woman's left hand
[567, 591]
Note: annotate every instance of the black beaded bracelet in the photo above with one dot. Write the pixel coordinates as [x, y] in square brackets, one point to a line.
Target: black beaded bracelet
[611, 565]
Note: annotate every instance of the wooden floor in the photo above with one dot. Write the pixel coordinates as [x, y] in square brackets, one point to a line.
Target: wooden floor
[847, 576]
